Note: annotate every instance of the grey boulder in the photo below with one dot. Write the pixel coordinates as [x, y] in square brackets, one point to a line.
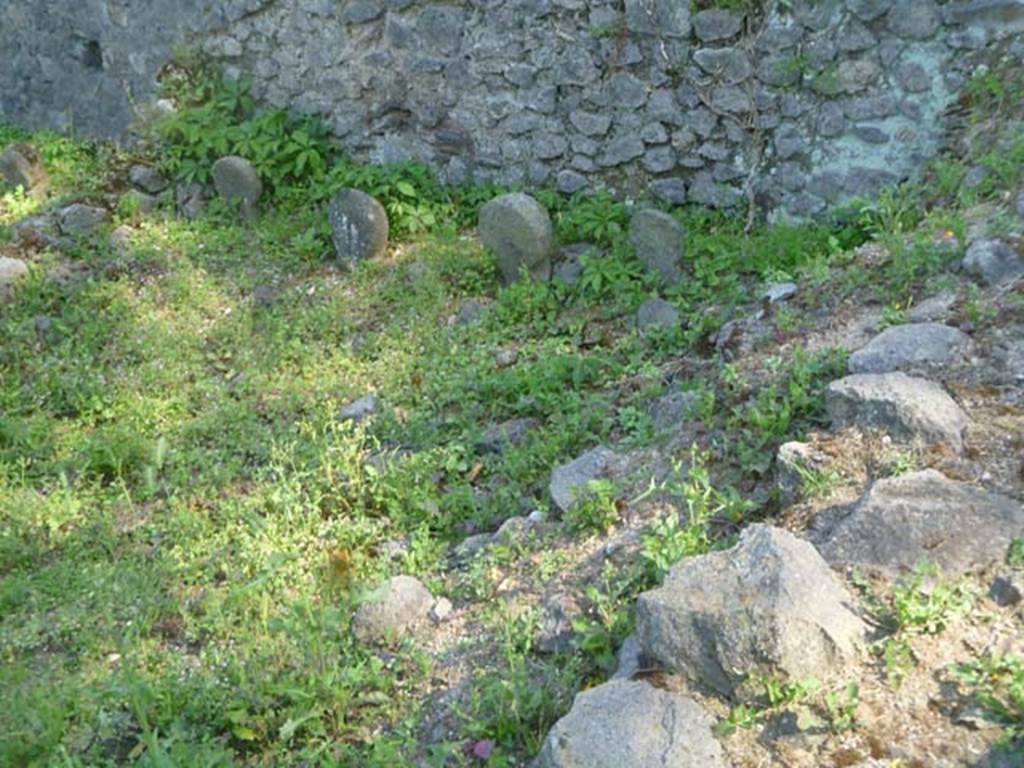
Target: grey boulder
[769, 606]
[924, 515]
[657, 313]
[915, 344]
[910, 409]
[81, 219]
[391, 610]
[498, 437]
[148, 179]
[658, 240]
[359, 226]
[632, 724]
[569, 480]
[518, 229]
[993, 262]
[21, 166]
[237, 181]
[360, 409]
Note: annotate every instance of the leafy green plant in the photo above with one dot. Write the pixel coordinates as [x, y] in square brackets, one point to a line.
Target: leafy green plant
[597, 218]
[997, 684]
[1015, 554]
[596, 508]
[841, 707]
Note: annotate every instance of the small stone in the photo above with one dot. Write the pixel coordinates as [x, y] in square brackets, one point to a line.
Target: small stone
[768, 607]
[779, 292]
[121, 238]
[717, 24]
[792, 461]
[915, 19]
[359, 410]
[993, 262]
[569, 182]
[658, 240]
[661, 18]
[669, 411]
[11, 271]
[392, 610]
[148, 179]
[21, 166]
[505, 357]
[190, 200]
[911, 345]
[910, 409]
[81, 219]
[919, 516]
[441, 610]
[555, 633]
[731, 65]
[237, 181]
[631, 723]
[1007, 589]
[569, 480]
[469, 312]
[933, 309]
[359, 226]
[508, 433]
[671, 191]
[657, 313]
[518, 229]
[629, 659]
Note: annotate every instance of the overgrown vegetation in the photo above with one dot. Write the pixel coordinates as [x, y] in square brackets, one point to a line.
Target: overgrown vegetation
[187, 525]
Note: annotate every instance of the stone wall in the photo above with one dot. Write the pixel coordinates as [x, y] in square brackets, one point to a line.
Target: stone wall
[800, 105]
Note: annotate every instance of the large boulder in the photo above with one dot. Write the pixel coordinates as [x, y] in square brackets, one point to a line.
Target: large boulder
[21, 166]
[570, 480]
[393, 609]
[993, 262]
[915, 344]
[359, 226]
[238, 182]
[658, 240]
[769, 606]
[910, 409]
[919, 516]
[632, 724]
[518, 229]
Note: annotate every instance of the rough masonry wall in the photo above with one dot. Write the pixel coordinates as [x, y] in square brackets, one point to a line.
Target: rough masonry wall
[800, 105]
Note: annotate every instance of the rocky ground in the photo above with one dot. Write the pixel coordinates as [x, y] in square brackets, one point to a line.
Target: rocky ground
[684, 494]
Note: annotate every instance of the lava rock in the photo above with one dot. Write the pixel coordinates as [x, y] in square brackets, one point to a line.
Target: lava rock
[631, 723]
[657, 313]
[569, 480]
[359, 410]
[81, 219]
[914, 344]
[21, 166]
[919, 516]
[908, 408]
[768, 607]
[993, 262]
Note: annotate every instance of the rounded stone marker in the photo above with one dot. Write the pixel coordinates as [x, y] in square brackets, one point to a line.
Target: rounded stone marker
[237, 180]
[518, 229]
[359, 226]
[658, 240]
[11, 271]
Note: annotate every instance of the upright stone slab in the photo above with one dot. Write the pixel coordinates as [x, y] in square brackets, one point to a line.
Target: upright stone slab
[632, 724]
[768, 607]
[21, 166]
[658, 240]
[359, 226]
[518, 229]
[237, 181]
